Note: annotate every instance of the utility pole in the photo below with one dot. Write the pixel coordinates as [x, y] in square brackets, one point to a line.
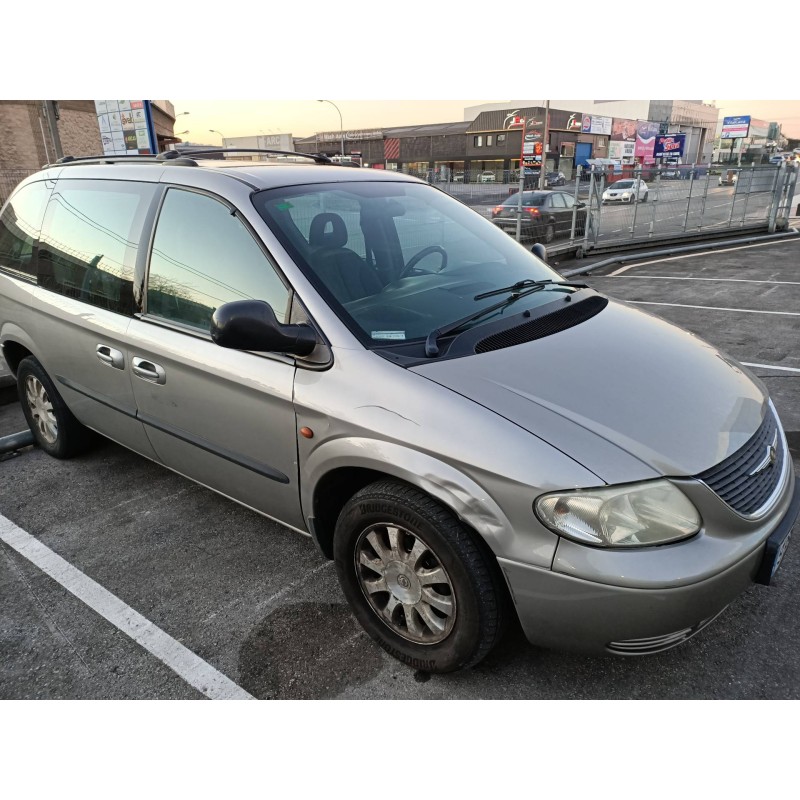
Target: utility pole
[545, 137]
[51, 115]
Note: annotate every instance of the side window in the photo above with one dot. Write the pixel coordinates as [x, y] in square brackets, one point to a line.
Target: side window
[20, 227]
[203, 256]
[90, 241]
[569, 200]
[557, 200]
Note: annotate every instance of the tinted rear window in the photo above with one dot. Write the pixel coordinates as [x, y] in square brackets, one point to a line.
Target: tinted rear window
[20, 228]
[528, 199]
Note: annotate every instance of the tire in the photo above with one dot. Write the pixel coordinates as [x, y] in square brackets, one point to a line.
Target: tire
[549, 233]
[54, 427]
[644, 199]
[392, 536]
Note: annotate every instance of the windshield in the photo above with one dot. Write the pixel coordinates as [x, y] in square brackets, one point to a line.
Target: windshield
[397, 260]
[623, 185]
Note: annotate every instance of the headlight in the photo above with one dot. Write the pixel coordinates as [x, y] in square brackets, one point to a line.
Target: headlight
[625, 195]
[634, 515]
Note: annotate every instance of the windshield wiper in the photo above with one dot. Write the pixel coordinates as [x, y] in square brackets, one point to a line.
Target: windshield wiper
[526, 287]
[516, 287]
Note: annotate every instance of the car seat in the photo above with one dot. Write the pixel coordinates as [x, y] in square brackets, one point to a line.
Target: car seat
[342, 271]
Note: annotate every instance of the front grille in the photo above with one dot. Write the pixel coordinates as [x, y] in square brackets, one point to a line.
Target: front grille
[555, 321]
[738, 479]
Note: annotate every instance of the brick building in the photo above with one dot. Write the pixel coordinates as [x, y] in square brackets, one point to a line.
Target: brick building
[38, 132]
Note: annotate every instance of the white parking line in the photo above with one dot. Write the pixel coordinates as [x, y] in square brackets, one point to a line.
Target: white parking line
[713, 280]
[715, 308]
[771, 366]
[196, 672]
[702, 253]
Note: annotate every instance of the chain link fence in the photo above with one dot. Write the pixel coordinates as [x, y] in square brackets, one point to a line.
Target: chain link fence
[637, 204]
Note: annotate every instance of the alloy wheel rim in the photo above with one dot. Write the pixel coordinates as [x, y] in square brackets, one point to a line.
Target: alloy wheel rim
[405, 584]
[44, 419]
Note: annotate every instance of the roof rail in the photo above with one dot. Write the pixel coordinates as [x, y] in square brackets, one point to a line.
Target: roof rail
[180, 157]
[101, 159]
[318, 157]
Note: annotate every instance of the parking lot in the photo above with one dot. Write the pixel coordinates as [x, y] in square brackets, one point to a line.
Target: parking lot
[187, 595]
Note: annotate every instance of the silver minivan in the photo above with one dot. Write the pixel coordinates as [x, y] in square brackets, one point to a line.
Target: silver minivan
[359, 356]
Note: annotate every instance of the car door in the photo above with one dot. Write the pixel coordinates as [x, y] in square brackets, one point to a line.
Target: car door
[224, 418]
[83, 304]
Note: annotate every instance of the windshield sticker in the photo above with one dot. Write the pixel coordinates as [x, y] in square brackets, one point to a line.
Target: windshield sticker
[388, 334]
[284, 206]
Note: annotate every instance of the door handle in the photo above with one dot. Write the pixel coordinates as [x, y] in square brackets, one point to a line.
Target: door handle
[148, 371]
[110, 356]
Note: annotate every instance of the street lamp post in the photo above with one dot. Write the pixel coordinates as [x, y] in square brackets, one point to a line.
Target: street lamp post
[341, 125]
[221, 135]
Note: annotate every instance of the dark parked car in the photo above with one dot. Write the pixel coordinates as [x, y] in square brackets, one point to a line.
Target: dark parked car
[555, 179]
[545, 215]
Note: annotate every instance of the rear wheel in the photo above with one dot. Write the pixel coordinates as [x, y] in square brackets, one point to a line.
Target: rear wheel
[54, 427]
[549, 233]
[644, 199]
[417, 579]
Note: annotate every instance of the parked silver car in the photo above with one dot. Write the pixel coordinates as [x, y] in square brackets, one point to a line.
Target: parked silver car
[361, 357]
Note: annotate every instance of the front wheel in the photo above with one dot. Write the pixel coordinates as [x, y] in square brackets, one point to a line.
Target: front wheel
[417, 579]
[53, 425]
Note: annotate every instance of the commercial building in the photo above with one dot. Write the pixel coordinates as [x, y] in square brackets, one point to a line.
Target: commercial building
[489, 143]
[265, 141]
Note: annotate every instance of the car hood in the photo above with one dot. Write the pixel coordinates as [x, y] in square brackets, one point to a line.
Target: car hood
[625, 394]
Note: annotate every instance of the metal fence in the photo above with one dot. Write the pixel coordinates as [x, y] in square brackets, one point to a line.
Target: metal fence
[663, 202]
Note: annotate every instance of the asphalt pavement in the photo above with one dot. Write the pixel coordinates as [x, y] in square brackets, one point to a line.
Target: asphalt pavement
[170, 562]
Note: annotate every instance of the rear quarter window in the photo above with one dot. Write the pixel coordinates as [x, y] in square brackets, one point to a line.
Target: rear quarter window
[20, 229]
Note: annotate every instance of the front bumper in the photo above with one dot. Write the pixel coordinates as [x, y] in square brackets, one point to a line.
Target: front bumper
[570, 613]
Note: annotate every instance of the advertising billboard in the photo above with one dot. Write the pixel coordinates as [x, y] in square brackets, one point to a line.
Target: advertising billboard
[735, 127]
[597, 125]
[669, 146]
[126, 127]
[646, 133]
[622, 151]
[623, 130]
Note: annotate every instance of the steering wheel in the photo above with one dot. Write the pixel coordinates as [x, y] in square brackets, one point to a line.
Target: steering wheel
[417, 257]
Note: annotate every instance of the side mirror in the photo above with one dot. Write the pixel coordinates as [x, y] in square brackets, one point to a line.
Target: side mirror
[580, 205]
[540, 251]
[252, 325]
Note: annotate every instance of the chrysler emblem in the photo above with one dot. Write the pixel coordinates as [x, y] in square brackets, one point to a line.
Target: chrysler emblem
[769, 459]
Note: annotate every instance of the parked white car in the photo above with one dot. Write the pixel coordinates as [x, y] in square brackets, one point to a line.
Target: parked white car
[487, 177]
[628, 190]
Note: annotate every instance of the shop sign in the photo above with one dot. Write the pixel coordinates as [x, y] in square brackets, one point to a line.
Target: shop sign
[349, 136]
[126, 127]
